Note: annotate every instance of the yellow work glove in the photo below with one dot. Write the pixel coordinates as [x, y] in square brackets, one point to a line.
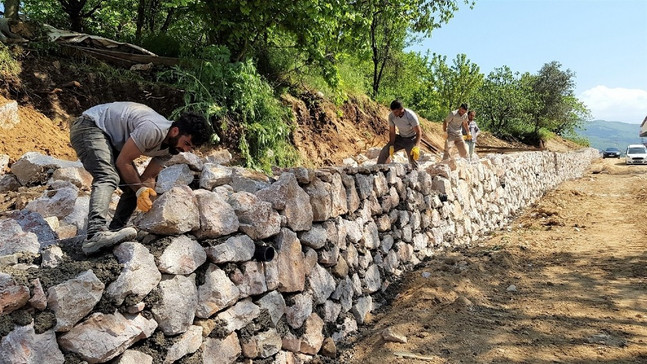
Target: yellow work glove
[415, 153]
[467, 137]
[391, 151]
[144, 195]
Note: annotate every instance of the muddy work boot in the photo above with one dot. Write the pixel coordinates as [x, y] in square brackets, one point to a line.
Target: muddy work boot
[105, 239]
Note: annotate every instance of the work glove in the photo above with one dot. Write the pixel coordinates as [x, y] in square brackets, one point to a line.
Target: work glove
[467, 137]
[415, 153]
[391, 151]
[144, 202]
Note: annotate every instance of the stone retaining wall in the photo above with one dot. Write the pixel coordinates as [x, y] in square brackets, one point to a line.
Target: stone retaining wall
[189, 290]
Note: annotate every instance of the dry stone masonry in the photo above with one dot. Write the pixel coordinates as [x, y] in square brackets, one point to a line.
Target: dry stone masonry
[189, 289]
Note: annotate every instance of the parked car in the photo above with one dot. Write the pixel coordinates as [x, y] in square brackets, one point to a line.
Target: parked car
[636, 154]
[611, 153]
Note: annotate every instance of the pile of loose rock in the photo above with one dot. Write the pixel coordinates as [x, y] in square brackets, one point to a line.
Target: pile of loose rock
[193, 287]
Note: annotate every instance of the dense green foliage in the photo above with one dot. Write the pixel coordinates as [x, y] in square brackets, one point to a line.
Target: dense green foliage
[239, 56]
[237, 96]
[9, 67]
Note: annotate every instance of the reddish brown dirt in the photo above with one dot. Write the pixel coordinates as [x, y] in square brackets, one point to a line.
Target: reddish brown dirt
[35, 132]
[578, 263]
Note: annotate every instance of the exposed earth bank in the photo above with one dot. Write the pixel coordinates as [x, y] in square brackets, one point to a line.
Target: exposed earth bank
[565, 283]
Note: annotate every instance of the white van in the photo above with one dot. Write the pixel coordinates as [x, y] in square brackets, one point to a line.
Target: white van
[636, 154]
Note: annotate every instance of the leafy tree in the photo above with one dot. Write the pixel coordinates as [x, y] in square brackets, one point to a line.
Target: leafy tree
[78, 10]
[390, 20]
[574, 118]
[501, 100]
[453, 84]
[316, 28]
[11, 8]
[553, 105]
[406, 78]
[158, 15]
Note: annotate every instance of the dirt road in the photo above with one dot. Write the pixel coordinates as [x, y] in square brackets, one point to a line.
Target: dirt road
[565, 283]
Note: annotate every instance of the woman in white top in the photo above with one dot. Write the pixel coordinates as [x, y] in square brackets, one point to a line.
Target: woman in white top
[472, 133]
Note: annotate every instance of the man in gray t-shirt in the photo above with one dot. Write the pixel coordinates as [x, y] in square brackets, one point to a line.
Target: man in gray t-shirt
[453, 125]
[107, 139]
[408, 136]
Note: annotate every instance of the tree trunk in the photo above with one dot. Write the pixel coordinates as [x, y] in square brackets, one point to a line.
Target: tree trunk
[168, 20]
[11, 9]
[141, 18]
[376, 60]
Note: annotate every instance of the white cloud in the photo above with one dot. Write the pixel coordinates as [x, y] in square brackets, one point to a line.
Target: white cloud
[616, 104]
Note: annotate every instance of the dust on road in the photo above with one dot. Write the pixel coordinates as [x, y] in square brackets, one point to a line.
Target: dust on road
[565, 283]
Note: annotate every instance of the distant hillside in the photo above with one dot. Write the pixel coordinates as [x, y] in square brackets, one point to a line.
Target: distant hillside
[603, 134]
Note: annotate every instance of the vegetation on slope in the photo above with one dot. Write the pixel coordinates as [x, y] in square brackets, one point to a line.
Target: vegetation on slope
[240, 57]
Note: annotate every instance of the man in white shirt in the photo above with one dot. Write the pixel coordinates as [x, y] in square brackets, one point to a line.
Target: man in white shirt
[454, 125]
[107, 139]
[408, 136]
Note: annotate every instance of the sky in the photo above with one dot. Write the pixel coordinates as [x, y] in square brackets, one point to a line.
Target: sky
[604, 42]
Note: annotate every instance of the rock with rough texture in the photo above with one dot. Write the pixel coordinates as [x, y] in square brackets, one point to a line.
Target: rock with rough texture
[217, 217]
[214, 175]
[23, 345]
[240, 315]
[36, 168]
[315, 238]
[262, 345]
[12, 295]
[139, 275]
[235, 249]
[51, 256]
[287, 196]
[8, 182]
[222, 157]
[252, 279]
[38, 299]
[257, 218]
[175, 292]
[103, 337]
[134, 357]
[361, 309]
[4, 163]
[221, 351]
[299, 310]
[274, 303]
[188, 343]
[290, 261]
[77, 176]
[79, 215]
[9, 116]
[313, 337]
[217, 292]
[322, 284]
[389, 334]
[320, 199]
[187, 158]
[14, 240]
[183, 256]
[247, 180]
[74, 299]
[175, 212]
[173, 176]
[32, 222]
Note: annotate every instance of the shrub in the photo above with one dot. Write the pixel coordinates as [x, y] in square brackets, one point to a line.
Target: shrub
[235, 97]
[9, 67]
[162, 45]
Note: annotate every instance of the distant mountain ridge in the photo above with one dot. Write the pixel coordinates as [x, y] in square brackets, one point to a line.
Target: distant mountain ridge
[603, 134]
